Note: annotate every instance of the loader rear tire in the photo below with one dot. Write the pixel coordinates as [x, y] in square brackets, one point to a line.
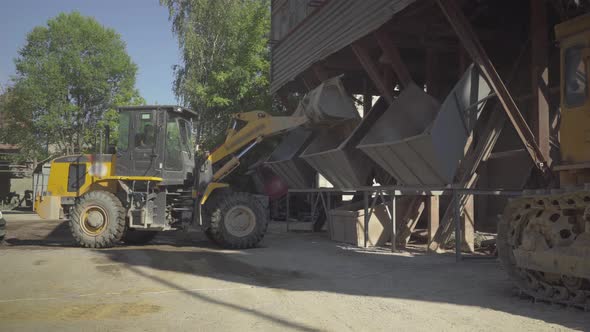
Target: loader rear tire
[135, 237]
[238, 220]
[97, 220]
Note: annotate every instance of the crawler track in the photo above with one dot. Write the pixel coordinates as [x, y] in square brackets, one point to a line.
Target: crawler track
[548, 223]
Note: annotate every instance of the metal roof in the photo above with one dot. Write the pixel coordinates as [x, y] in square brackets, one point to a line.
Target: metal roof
[335, 26]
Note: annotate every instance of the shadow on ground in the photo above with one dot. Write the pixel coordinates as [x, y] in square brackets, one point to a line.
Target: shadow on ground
[310, 262]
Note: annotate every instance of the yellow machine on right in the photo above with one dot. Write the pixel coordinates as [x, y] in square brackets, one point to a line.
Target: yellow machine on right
[544, 238]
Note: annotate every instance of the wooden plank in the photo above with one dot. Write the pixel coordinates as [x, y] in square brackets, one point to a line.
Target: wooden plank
[433, 216]
[411, 217]
[468, 225]
[539, 75]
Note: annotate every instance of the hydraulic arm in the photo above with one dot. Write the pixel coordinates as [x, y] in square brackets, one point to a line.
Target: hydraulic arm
[247, 130]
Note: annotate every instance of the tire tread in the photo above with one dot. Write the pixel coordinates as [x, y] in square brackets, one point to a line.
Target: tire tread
[225, 200]
[114, 231]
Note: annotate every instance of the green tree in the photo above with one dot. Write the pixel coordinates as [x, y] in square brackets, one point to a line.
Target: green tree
[225, 59]
[69, 76]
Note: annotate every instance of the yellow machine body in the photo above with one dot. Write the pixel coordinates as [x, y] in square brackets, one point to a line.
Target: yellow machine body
[93, 175]
[100, 175]
[574, 40]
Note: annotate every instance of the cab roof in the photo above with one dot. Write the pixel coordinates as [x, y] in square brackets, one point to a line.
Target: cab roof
[174, 108]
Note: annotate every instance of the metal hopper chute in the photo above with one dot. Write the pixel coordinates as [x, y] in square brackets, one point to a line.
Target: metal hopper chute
[419, 142]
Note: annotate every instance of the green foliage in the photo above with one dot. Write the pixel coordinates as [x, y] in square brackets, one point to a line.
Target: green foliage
[70, 75]
[225, 59]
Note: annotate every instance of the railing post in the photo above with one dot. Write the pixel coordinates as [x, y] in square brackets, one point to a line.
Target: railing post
[366, 206]
[457, 216]
[288, 210]
[393, 223]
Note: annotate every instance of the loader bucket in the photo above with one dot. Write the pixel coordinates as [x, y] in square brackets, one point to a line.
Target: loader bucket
[418, 145]
[328, 154]
[333, 152]
[284, 160]
[328, 103]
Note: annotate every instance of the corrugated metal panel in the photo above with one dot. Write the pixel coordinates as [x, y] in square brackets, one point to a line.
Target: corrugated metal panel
[335, 26]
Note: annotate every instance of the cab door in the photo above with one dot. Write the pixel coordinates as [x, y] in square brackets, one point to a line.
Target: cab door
[141, 153]
[145, 156]
[178, 157]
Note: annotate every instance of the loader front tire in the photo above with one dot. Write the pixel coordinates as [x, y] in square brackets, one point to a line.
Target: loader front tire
[238, 220]
[98, 220]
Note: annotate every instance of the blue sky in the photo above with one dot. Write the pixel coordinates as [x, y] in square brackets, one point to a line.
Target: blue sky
[143, 25]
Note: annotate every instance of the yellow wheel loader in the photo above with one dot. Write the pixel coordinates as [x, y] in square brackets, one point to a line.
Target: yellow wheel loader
[544, 237]
[155, 181]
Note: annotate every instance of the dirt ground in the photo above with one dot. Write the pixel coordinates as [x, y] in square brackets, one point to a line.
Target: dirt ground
[294, 281]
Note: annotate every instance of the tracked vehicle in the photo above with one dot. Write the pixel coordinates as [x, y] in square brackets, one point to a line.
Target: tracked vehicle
[544, 236]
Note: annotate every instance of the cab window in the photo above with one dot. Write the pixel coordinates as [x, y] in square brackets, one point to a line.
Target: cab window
[186, 136]
[173, 159]
[576, 82]
[124, 123]
[146, 134]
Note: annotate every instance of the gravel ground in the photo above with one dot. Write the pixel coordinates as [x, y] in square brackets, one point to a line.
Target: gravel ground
[294, 281]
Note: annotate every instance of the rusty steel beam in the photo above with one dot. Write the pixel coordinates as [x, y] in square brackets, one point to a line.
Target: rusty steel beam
[391, 51]
[372, 70]
[463, 61]
[465, 32]
[539, 31]
[467, 177]
[431, 67]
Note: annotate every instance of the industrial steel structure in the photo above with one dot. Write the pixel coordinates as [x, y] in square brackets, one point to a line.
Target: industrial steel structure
[485, 126]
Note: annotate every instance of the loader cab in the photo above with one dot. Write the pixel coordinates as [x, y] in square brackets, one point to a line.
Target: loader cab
[156, 141]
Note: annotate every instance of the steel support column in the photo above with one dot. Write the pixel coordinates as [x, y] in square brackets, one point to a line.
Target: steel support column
[487, 140]
[372, 70]
[393, 222]
[469, 39]
[432, 83]
[402, 72]
[539, 75]
[417, 205]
